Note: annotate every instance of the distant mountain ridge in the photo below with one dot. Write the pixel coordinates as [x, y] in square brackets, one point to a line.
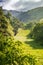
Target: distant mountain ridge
[13, 12]
[34, 14]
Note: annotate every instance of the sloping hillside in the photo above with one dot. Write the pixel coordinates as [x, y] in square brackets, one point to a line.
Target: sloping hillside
[5, 26]
[34, 14]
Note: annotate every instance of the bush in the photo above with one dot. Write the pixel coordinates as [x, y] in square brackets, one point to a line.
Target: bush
[12, 52]
[37, 32]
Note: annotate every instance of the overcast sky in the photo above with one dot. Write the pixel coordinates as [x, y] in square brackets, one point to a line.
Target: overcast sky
[20, 5]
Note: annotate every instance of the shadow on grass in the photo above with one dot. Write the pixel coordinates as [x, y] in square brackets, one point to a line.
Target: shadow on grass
[34, 44]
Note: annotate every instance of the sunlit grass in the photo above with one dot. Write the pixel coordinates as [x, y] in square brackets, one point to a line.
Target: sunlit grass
[31, 48]
[22, 32]
[21, 36]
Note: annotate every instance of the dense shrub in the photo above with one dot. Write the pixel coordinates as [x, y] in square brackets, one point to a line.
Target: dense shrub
[37, 32]
[16, 24]
[12, 52]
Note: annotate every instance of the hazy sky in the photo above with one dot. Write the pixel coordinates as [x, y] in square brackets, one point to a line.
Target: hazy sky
[20, 5]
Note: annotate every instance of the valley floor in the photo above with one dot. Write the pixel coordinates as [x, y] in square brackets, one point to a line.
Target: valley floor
[31, 47]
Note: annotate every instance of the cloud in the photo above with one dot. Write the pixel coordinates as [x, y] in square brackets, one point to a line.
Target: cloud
[35, 0]
[20, 5]
[8, 4]
[31, 0]
[2, 0]
[27, 4]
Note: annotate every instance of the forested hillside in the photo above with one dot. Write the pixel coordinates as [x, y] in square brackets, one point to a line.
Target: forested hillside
[31, 15]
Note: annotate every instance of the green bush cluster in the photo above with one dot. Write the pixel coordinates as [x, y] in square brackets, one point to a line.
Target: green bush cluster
[37, 32]
[11, 53]
[16, 24]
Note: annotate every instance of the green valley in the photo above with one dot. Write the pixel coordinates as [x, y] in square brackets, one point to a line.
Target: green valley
[20, 43]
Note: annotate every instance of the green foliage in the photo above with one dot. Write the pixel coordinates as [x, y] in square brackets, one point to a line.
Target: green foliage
[1, 12]
[37, 32]
[29, 25]
[5, 26]
[16, 24]
[13, 52]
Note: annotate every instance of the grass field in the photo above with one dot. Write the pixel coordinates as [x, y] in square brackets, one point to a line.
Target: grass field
[31, 46]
